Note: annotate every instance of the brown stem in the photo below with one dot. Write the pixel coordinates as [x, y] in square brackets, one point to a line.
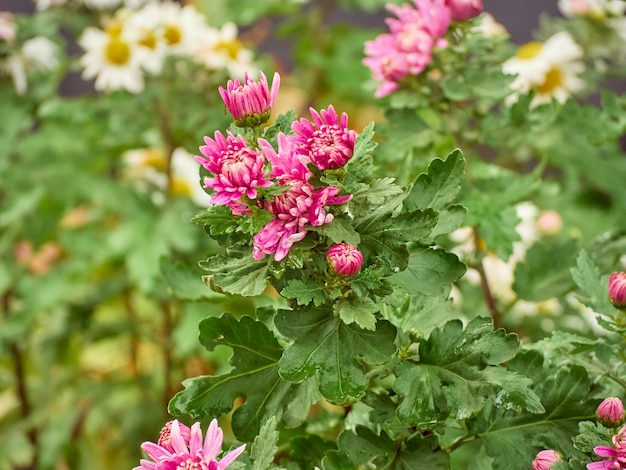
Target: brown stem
[484, 283]
[21, 388]
[168, 324]
[134, 340]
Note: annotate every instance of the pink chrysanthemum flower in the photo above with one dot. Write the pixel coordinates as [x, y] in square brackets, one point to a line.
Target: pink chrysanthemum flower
[616, 455]
[189, 455]
[165, 436]
[407, 50]
[250, 102]
[287, 165]
[239, 170]
[463, 10]
[327, 141]
[299, 206]
[344, 259]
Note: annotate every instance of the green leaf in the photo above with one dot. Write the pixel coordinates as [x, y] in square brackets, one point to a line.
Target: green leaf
[429, 271]
[254, 377]
[244, 276]
[366, 447]
[587, 277]
[380, 189]
[544, 272]
[455, 88]
[265, 445]
[387, 238]
[513, 439]
[449, 220]
[364, 144]
[439, 186]
[305, 291]
[324, 346]
[340, 230]
[457, 372]
[183, 282]
[357, 310]
[219, 219]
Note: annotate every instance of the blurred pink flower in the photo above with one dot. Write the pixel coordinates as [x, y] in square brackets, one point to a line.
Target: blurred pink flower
[182, 454]
[327, 141]
[617, 289]
[238, 169]
[611, 412]
[250, 102]
[415, 32]
[389, 64]
[297, 207]
[545, 459]
[463, 10]
[344, 259]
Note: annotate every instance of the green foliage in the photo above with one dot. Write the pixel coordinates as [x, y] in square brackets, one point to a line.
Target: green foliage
[457, 371]
[254, 376]
[326, 348]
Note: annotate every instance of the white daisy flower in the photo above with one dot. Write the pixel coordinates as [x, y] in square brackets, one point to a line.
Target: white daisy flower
[221, 49]
[38, 53]
[550, 68]
[180, 27]
[113, 57]
[186, 179]
[489, 27]
[145, 26]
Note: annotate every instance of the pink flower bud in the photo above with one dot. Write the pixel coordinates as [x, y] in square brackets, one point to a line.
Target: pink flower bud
[617, 289]
[165, 437]
[463, 10]
[549, 223]
[344, 259]
[250, 102]
[611, 412]
[545, 459]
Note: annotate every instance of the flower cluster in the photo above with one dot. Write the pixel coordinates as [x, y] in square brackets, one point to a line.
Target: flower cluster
[240, 169]
[615, 457]
[551, 69]
[18, 60]
[415, 33]
[136, 42]
[181, 447]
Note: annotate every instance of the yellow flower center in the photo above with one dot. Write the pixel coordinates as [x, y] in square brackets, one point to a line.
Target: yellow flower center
[529, 50]
[114, 29]
[553, 80]
[148, 39]
[231, 47]
[117, 51]
[180, 187]
[154, 159]
[172, 34]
